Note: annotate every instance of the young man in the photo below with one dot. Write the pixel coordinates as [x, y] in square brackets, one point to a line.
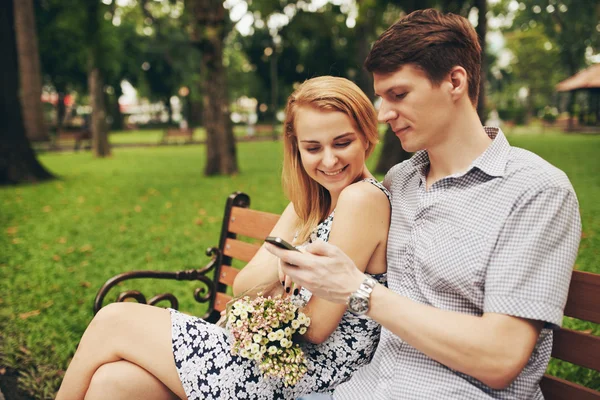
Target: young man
[482, 240]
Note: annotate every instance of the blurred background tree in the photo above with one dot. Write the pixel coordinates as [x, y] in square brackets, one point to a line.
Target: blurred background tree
[30, 75]
[18, 162]
[122, 64]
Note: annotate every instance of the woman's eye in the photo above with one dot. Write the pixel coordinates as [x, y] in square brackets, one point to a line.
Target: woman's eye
[312, 149]
[401, 95]
[342, 144]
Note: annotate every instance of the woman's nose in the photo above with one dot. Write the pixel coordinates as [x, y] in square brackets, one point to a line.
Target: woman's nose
[329, 158]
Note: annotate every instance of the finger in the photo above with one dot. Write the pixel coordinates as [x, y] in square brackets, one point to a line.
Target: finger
[281, 274]
[289, 257]
[297, 289]
[296, 274]
[288, 285]
[321, 248]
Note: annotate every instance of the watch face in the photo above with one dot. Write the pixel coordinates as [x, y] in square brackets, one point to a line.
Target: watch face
[358, 305]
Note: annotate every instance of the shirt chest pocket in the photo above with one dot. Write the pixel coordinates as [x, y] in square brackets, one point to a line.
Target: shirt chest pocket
[453, 260]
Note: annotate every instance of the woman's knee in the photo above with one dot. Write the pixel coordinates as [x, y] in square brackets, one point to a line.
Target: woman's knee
[114, 316]
[109, 381]
[122, 380]
[107, 318]
[108, 325]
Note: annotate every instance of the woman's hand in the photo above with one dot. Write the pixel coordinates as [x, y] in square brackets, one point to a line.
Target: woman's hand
[290, 288]
[324, 269]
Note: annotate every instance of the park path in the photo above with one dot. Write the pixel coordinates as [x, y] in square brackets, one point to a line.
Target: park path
[68, 146]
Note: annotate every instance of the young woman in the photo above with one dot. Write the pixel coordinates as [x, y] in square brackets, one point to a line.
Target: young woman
[133, 351]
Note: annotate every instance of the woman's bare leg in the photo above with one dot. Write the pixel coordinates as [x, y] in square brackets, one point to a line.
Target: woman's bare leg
[122, 380]
[132, 332]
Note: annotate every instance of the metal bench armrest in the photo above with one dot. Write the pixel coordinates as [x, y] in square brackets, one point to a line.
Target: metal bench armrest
[201, 294]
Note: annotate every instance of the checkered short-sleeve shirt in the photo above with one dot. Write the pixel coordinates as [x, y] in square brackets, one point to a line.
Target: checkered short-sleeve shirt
[501, 237]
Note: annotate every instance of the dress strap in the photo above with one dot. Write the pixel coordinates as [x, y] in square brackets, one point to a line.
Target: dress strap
[379, 185]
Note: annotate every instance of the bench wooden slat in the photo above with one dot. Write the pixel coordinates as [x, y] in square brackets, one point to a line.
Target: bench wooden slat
[227, 275]
[252, 223]
[577, 348]
[221, 301]
[555, 388]
[240, 250]
[584, 297]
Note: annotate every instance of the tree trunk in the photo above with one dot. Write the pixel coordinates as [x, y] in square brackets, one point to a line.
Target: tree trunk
[29, 65]
[196, 107]
[100, 145]
[61, 110]
[18, 163]
[167, 102]
[481, 32]
[392, 152]
[274, 91]
[117, 116]
[529, 106]
[208, 33]
[364, 30]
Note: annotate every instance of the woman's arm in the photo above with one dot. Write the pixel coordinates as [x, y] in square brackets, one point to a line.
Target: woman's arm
[360, 228]
[262, 269]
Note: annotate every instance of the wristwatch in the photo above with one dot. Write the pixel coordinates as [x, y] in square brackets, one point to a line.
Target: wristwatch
[358, 302]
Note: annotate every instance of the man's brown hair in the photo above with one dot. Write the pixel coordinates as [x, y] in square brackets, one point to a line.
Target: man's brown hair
[433, 42]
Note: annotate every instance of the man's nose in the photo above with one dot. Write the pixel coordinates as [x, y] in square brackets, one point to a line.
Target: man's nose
[385, 114]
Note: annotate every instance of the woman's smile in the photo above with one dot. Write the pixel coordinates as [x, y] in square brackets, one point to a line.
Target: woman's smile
[333, 173]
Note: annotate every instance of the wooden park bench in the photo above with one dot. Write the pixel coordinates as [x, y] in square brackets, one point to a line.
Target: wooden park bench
[239, 222]
[77, 135]
[177, 133]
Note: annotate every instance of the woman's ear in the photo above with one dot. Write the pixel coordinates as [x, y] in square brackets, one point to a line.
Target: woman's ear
[459, 82]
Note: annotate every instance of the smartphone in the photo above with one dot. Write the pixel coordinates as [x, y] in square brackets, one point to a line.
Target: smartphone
[279, 242]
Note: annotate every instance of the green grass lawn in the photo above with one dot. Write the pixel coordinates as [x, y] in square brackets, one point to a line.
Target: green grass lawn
[151, 208]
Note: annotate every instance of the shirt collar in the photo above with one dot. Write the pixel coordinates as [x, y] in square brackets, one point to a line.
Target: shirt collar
[494, 158]
[492, 161]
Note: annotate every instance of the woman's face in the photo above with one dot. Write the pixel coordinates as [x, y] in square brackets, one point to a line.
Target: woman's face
[331, 148]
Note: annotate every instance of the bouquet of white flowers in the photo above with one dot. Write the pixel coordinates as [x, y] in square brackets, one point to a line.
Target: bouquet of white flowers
[263, 330]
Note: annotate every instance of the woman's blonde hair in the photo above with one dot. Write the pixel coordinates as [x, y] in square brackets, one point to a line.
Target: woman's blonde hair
[311, 200]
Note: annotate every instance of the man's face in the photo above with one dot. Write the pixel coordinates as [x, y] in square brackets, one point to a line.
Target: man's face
[418, 111]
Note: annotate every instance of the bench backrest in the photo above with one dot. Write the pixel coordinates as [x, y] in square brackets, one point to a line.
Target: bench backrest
[579, 348]
[238, 220]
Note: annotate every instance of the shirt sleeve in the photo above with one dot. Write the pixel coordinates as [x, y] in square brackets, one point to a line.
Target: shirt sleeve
[389, 176]
[530, 268]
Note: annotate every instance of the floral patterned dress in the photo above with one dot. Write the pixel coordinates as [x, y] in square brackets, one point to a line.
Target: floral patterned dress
[208, 370]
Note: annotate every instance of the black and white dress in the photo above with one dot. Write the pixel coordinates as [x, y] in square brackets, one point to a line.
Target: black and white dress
[208, 370]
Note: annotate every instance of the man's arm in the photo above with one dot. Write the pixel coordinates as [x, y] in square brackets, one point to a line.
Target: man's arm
[493, 348]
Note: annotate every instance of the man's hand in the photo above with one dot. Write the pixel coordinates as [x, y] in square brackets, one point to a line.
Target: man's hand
[324, 270]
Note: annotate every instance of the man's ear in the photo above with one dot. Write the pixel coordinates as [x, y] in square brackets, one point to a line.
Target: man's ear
[459, 82]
